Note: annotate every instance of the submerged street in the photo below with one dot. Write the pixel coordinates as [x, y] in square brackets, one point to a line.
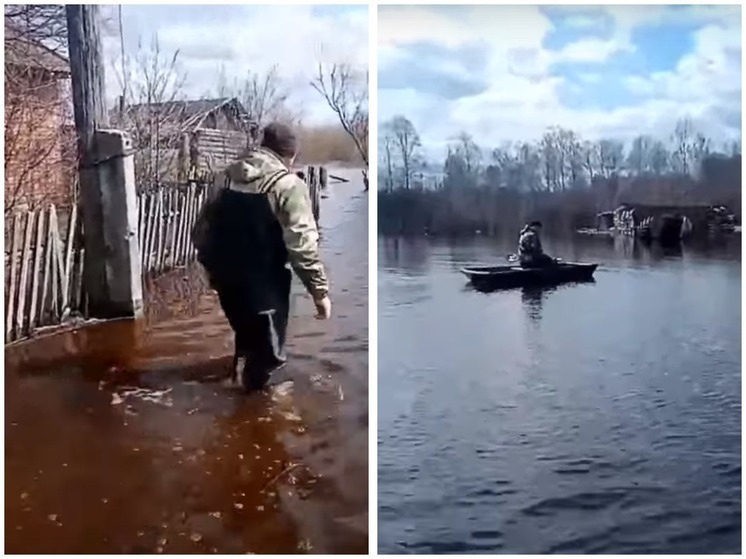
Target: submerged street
[123, 439]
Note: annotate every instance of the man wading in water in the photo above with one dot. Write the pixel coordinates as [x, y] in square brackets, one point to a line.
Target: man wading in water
[252, 226]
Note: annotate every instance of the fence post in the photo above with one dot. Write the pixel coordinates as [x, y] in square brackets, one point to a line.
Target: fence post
[107, 183]
[116, 179]
[323, 178]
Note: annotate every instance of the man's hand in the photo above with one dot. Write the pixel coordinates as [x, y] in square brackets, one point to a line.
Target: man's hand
[323, 308]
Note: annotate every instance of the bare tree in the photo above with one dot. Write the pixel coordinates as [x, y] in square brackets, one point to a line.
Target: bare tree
[570, 157]
[529, 160]
[591, 160]
[44, 24]
[388, 146]
[264, 96]
[659, 159]
[683, 138]
[699, 151]
[153, 111]
[346, 93]
[610, 156]
[470, 152]
[550, 158]
[639, 160]
[496, 173]
[407, 141]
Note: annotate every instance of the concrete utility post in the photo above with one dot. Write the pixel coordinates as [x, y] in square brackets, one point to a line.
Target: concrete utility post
[112, 275]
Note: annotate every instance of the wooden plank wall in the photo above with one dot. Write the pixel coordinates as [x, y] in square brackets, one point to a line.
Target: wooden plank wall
[216, 149]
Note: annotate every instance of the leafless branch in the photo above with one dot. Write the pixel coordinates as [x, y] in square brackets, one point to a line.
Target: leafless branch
[265, 97]
[40, 160]
[39, 23]
[150, 110]
[346, 93]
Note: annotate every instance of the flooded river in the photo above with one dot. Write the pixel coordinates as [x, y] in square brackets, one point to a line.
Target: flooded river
[601, 417]
[122, 439]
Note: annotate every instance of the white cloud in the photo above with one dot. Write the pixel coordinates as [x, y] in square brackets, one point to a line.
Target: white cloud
[523, 97]
[592, 50]
[511, 27]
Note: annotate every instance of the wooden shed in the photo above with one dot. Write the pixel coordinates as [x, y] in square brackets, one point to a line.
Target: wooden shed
[194, 138]
[669, 221]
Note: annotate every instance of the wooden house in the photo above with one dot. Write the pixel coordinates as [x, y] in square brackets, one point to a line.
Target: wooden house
[39, 137]
[186, 140]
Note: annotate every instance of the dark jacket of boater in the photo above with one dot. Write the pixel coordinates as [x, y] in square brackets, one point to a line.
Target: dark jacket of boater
[257, 220]
[530, 250]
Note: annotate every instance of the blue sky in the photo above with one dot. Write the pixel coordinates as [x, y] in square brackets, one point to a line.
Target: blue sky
[242, 38]
[505, 73]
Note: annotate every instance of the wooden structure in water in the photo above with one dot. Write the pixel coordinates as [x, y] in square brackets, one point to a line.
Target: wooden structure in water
[666, 223]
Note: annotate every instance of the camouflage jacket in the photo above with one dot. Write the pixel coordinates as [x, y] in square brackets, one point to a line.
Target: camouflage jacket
[529, 244]
[262, 172]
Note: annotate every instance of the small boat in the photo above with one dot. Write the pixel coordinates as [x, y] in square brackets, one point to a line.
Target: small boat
[497, 277]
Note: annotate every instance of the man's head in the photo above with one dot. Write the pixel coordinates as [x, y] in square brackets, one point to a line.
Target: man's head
[535, 225]
[279, 138]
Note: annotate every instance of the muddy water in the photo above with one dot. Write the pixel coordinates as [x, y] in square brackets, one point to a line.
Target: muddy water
[122, 438]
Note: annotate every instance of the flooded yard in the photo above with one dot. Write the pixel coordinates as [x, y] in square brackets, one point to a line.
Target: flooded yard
[122, 438]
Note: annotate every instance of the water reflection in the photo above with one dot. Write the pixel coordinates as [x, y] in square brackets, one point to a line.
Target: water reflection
[533, 299]
[675, 250]
[412, 254]
[591, 425]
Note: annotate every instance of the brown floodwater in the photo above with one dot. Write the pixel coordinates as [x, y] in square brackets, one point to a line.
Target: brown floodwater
[123, 438]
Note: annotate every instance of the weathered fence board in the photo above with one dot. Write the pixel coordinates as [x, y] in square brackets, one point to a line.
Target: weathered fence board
[10, 296]
[38, 292]
[33, 318]
[22, 289]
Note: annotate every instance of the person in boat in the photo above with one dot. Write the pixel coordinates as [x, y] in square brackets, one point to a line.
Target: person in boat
[530, 252]
[257, 220]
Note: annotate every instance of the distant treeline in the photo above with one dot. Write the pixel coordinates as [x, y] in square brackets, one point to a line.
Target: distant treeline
[561, 180]
[327, 144]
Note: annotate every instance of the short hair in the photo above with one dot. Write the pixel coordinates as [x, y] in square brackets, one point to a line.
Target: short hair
[280, 138]
[535, 224]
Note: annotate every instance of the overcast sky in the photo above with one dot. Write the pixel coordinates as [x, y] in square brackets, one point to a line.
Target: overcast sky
[243, 38]
[507, 72]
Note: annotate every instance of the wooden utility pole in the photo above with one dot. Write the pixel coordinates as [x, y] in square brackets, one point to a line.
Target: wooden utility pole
[112, 276]
[87, 73]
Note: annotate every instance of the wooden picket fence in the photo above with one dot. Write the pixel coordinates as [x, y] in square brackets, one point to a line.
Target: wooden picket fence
[44, 257]
[166, 218]
[44, 254]
[43, 271]
[165, 221]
